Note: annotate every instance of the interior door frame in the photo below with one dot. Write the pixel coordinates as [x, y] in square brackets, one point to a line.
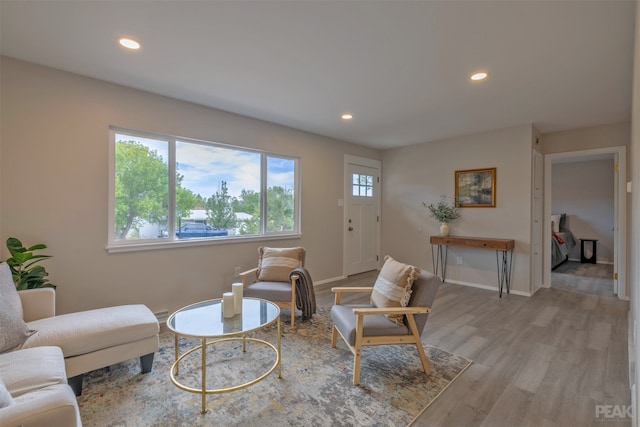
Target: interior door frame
[620, 212]
[360, 161]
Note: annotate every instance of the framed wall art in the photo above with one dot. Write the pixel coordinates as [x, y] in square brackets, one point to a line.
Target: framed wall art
[476, 188]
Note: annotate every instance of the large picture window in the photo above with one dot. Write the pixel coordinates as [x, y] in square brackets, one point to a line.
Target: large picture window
[166, 189]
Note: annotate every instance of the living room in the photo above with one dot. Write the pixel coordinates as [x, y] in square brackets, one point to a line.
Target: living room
[55, 174]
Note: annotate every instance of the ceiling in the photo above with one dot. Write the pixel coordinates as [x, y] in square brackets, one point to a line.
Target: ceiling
[400, 67]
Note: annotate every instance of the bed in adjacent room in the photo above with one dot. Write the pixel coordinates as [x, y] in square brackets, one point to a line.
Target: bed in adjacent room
[562, 240]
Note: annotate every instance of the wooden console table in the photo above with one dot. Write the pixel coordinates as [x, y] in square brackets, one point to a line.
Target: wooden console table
[503, 248]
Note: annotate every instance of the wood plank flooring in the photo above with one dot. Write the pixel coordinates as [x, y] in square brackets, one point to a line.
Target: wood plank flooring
[545, 360]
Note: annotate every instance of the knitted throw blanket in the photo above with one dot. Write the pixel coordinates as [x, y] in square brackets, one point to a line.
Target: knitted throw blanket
[305, 295]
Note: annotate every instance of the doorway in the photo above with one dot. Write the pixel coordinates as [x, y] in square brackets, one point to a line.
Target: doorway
[361, 214]
[619, 213]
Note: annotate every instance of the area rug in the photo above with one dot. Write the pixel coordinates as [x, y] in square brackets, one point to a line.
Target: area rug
[315, 389]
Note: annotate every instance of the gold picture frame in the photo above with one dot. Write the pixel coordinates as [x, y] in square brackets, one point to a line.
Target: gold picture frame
[476, 188]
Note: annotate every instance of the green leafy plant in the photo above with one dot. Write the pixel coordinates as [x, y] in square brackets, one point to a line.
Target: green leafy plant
[442, 211]
[23, 263]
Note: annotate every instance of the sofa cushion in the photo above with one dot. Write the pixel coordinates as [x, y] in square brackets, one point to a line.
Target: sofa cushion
[393, 286]
[272, 291]
[93, 330]
[373, 324]
[26, 370]
[14, 331]
[275, 264]
[5, 396]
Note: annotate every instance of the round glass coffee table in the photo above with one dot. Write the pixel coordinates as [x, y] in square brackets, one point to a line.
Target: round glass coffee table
[205, 322]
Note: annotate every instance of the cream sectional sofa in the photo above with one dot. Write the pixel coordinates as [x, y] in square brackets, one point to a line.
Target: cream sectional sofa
[89, 340]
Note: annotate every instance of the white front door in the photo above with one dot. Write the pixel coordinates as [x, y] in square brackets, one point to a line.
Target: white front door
[361, 217]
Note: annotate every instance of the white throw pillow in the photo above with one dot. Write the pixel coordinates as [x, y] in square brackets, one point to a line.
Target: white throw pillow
[275, 264]
[555, 223]
[393, 286]
[13, 330]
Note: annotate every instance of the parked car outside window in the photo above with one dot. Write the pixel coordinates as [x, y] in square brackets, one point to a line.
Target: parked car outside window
[196, 229]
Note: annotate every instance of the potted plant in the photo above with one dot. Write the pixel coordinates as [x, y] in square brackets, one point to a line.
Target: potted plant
[444, 213]
[23, 263]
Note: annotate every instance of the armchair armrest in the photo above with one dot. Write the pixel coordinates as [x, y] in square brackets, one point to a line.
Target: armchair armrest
[339, 290]
[38, 303]
[391, 310]
[249, 276]
[352, 289]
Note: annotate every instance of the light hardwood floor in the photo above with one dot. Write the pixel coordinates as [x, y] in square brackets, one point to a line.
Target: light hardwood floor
[545, 360]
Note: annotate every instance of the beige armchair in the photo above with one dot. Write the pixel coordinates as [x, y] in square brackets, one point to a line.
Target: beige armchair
[366, 325]
[272, 279]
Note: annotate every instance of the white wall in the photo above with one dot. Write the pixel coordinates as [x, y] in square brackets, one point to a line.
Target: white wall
[54, 172]
[423, 172]
[585, 192]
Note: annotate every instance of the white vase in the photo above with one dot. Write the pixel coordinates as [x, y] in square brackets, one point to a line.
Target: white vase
[444, 229]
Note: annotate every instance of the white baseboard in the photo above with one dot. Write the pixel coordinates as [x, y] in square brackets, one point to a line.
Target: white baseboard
[489, 288]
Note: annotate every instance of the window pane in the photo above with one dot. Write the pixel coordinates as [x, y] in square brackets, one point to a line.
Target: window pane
[142, 188]
[362, 185]
[217, 191]
[280, 194]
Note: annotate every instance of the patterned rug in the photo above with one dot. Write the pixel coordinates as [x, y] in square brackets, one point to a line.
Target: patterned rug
[315, 388]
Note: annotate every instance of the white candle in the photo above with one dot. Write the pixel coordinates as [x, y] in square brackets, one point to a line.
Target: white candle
[237, 297]
[227, 304]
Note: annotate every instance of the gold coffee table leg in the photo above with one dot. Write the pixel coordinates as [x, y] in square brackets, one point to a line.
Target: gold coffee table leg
[278, 352]
[204, 376]
[175, 337]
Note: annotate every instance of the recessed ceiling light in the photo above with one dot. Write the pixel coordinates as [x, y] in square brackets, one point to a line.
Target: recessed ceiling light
[129, 43]
[479, 76]
[347, 116]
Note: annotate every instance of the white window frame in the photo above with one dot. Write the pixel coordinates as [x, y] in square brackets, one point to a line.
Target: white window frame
[114, 245]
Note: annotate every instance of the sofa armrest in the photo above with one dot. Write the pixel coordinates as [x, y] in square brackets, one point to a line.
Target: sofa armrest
[38, 303]
[54, 405]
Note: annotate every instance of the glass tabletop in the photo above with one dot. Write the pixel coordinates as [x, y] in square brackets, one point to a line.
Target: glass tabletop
[204, 319]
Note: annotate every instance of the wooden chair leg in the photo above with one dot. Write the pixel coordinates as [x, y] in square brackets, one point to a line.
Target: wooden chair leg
[423, 357]
[334, 337]
[414, 331]
[357, 349]
[356, 366]
[294, 281]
